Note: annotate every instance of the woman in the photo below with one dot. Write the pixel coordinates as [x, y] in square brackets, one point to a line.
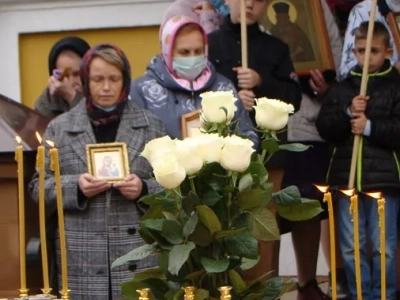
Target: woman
[101, 219]
[175, 79]
[61, 94]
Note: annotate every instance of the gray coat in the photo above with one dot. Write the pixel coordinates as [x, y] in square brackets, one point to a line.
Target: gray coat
[103, 228]
[158, 92]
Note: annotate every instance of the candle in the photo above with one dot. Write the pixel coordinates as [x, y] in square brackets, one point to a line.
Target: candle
[19, 158]
[225, 292]
[40, 167]
[382, 225]
[354, 211]
[55, 167]
[332, 237]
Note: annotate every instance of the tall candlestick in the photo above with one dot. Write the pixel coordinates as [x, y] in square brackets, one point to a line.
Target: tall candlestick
[382, 227]
[354, 211]
[55, 167]
[144, 294]
[40, 167]
[19, 158]
[332, 237]
[189, 292]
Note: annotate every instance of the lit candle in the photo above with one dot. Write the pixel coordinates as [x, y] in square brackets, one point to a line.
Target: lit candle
[19, 158]
[382, 225]
[332, 237]
[354, 211]
[40, 167]
[55, 167]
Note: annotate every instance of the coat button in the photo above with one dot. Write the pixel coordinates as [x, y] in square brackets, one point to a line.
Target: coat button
[132, 267]
[131, 230]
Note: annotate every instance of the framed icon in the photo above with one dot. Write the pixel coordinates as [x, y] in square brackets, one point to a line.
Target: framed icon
[191, 124]
[108, 161]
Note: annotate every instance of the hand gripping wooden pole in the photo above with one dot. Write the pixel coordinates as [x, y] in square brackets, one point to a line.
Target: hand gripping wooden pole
[363, 90]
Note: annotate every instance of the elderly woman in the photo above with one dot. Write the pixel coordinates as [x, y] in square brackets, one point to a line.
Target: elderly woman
[101, 219]
[175, 79]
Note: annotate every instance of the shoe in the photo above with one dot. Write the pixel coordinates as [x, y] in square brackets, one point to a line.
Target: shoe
[311, 291]
[342, 290]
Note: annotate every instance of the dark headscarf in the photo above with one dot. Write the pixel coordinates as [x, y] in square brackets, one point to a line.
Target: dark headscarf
[97, 115]
[73, 43]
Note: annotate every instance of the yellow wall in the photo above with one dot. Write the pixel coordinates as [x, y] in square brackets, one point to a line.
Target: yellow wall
[139, 44]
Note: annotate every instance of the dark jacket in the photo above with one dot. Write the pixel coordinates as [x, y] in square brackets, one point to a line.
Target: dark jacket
[267, 55]
[378, 153]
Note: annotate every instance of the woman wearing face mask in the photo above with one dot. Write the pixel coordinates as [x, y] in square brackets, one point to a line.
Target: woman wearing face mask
[175, 79]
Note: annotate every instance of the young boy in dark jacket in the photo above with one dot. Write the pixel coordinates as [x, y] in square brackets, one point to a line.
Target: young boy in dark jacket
[376, 118]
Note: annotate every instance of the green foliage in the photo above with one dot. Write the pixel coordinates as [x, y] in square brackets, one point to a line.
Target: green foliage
[207, 231]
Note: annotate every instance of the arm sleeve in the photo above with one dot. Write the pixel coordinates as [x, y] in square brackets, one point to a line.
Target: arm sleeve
[210, 20]
[136, 96]
[42, 104]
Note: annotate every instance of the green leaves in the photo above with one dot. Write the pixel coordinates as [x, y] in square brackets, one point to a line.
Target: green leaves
[262, 225]
[242, 245]
[294, 147]
[288, 196]
[178, 256]
[215, 266]
[306, 210]
[208, 218]
[190, 225]
[136, 254]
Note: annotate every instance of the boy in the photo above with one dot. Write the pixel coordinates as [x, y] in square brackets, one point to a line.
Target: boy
[376, 118]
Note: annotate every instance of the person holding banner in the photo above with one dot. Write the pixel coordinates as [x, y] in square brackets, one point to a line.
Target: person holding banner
[376, 118]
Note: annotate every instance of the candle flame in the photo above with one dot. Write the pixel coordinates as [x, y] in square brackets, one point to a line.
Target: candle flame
[322, 188]
[50, 143]
[39, 138]
[377, 195]
[349, 193]
[18, 139]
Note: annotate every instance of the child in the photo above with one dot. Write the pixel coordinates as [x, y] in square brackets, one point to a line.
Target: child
[376, 118]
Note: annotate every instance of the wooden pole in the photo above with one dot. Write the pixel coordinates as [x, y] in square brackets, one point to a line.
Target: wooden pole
[243, 33]
[363, 90]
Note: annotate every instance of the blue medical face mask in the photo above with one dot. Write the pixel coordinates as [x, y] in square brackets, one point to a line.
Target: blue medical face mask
[189, 68]
[106, 109]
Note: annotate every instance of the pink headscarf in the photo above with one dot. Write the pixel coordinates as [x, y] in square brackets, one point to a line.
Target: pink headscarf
[167, 39]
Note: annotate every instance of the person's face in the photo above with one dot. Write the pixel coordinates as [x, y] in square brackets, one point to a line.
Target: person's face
[72, 60]
[188, 44]
[107, 161]
[282, 18]
[254, 10]
[105, 82]
[379, 52]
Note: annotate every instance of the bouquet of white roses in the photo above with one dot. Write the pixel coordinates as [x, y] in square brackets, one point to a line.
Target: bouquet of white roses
[205, 225]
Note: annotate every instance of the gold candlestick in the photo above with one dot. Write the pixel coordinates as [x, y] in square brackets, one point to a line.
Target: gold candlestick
[354, 211]
[40, 167]
[382, 227]
[332, 237]
[225, 292]
[189, 292]
[55, 167]
[144, 294]
[19, 158]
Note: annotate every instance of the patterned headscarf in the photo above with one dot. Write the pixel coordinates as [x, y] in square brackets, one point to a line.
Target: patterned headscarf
[168, 34]
[97, 115]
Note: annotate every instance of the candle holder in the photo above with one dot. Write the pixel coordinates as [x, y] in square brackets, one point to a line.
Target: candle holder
[47, 291]
[65, 294]
[189, 292]
[225, 292]
[23, 293]
[144, 294]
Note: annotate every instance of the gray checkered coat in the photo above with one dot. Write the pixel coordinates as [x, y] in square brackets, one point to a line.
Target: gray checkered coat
[103, 228]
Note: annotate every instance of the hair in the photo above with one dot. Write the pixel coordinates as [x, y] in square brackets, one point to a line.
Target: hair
[380, 30]
[189, 28]
[69, 53]
[111, 56]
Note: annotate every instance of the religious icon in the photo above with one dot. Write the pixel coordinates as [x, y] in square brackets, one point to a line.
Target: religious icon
[108, 161]
[301, 25]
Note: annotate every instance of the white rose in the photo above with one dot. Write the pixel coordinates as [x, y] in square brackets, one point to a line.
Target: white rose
[188, 156]
[210, 147]
[236, 153]
[157, 148]
[168, 172]
[211, 104]
[272, 114]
